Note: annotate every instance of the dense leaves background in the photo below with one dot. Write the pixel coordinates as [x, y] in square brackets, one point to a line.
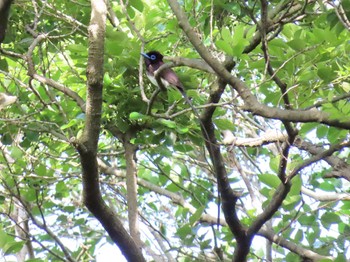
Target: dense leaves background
[301, 64]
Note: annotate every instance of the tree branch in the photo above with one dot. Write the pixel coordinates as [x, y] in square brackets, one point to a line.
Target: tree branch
[302, 252]
[317, 157]
[324, 196]
[88, 143]
[131, 185]
[340, 167]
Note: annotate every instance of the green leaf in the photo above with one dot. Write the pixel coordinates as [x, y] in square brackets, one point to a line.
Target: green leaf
[183, 148]
[182, 130]
[345, 86]
[296, 186]
[226, 35]
[321, 131]
[77, 48]
[30, 194]
[299, 236]
[297, 44]
[3, 65]
[107, 79]
[239, 41]
[274, 162]
[196, 216]
[137, 4]
[184, 231]
[16, 153]
[291, 202]
[325, 73]
[173, 188]
[168, 123]
[71, 123]
[6, 139]
[114, 48]
[307, 220]
[224, 46]
[136, 116]
[340, 258]
[330, 218]
[13, 247]
[224, 124]
[308, 127]
[2, 199]
[4, 238]
[270, 180]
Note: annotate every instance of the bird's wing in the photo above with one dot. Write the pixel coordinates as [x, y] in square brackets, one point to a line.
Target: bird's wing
[172, 78]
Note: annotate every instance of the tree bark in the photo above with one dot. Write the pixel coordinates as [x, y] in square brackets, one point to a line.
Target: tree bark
[87, 145]
[4, 15]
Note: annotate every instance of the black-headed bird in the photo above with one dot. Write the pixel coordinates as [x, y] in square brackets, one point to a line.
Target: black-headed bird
[153, 61]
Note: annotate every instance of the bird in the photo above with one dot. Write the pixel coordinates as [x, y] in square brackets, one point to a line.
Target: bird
[154, 60]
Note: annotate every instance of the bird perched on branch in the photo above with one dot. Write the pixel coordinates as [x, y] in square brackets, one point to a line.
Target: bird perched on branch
[153, 61]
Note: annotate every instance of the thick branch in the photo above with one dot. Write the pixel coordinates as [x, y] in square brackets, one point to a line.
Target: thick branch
[131, 185]
[270, 210]
[228, 196]
[324, 196]
[317, 157]
[270, 136]
[302, 252]
[340, 167]
[4, 13]
[191, 62]
[87, 144]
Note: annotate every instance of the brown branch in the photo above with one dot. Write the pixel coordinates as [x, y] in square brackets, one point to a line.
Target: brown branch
[88, 143]
[113, 19]
[42, 225]
[340, 168]
[333, 100]
[191, 62]
[324, 197]
[62, 88]
[292, 132]
[342, 16]
[21, 219]
[326, 153]
[302, 252]
[270, 209]
[4, 14]
[44, 80]
[228, 196]
[284, 187]
[263, 28]
[339, 10]
[131, 186]
[270, 136]
[30, 237]
[243, 238]
[275, 21]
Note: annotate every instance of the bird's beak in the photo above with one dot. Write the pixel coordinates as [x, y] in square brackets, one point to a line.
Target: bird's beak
[145, 55]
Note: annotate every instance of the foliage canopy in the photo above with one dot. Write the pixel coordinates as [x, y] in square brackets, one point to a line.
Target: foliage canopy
[271, 80]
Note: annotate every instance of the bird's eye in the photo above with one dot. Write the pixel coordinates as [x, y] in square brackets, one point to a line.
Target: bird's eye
[153, 57]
